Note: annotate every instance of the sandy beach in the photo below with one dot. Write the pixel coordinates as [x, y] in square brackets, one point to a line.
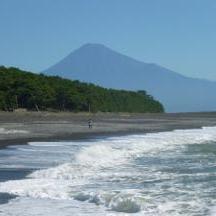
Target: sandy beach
[20, 128]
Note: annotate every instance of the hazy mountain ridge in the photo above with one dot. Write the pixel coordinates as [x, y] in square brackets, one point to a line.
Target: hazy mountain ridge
[101, 65]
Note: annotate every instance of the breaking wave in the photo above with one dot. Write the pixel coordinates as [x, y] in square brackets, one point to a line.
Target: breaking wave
[128, 174]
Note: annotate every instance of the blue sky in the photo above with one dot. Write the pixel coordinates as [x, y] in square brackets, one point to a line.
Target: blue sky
[177, 34]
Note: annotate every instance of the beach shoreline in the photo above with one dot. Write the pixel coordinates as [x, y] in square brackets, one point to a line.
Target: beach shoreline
[24, 127]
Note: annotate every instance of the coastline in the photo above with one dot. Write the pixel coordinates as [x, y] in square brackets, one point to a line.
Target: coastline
[24, 127]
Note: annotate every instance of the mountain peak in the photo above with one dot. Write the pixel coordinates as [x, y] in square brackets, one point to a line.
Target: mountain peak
[93, 46]
[90, 45]
[103, 66]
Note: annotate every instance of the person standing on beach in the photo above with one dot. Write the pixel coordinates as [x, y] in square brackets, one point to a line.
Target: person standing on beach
[90, 123]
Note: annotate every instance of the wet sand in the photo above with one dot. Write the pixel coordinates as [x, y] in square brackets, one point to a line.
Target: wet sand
[21, 128]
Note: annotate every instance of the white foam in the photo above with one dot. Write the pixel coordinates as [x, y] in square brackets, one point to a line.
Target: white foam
[101, 156]
[11, 131]
[213, 211]
[37, 188]
[27, 206]
[49, 144]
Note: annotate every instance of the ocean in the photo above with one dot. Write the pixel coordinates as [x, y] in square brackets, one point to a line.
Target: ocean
[166, 173]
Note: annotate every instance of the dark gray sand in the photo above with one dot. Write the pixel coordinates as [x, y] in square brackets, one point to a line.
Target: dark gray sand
[20, 128]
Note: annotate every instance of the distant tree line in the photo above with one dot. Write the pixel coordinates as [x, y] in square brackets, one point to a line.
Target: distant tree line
[20, 89]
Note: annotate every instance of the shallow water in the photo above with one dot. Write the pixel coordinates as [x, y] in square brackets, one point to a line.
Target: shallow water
[167, 173]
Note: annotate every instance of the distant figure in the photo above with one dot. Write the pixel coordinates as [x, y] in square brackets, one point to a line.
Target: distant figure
[90, 123]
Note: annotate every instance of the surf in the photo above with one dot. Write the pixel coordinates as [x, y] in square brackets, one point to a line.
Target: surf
[140, 174]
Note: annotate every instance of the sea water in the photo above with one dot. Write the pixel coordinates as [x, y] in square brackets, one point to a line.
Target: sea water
[166, 173]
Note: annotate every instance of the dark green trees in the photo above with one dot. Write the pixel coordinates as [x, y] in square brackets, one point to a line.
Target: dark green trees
[19, 89]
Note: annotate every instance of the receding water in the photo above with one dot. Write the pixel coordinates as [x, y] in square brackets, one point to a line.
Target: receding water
[167, 173]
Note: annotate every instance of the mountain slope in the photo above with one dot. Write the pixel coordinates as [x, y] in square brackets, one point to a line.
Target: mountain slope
[100, 65]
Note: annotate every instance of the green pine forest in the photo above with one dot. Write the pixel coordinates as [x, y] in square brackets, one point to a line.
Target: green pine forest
[37, 92]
